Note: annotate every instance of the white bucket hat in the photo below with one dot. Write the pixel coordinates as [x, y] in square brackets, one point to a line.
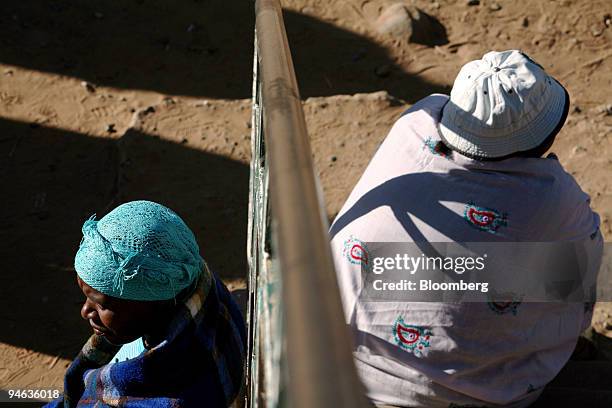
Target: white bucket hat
[502, 104]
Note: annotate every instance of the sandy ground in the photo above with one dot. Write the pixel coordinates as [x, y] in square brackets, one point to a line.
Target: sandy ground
[108, 102]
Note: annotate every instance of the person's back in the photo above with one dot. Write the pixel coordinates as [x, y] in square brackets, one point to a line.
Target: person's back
[419, 188]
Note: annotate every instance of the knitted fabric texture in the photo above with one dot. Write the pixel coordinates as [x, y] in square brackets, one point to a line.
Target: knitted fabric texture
[139, 251]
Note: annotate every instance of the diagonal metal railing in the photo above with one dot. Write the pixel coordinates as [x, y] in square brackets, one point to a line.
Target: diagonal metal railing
[299, 345]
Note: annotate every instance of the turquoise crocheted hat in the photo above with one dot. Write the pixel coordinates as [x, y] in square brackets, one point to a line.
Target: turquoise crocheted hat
[140, 251]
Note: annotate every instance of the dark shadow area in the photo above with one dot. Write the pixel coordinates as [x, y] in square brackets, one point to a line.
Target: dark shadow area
[52, 180]
[197, 48]
[29, 404]
[332, 61]
[241, 296]
[430, 31]
[579, 384]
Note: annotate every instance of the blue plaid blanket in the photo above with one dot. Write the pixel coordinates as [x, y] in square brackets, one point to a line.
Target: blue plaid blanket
[200, 362]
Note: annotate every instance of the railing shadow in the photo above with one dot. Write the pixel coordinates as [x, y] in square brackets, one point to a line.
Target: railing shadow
[200, 48]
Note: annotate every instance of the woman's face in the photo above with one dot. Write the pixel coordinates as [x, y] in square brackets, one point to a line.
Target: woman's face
[120, 321]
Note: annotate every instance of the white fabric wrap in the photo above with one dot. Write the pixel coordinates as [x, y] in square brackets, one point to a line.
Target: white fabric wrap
[476, 357]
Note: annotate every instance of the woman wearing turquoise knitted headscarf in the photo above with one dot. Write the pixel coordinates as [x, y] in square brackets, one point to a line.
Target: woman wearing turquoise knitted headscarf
[166, 330]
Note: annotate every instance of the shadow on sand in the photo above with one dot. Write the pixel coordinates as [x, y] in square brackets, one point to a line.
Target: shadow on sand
[53, 180]
[202, 48]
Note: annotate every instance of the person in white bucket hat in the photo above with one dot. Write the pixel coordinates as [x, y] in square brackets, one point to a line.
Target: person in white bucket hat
[502, 105]
[465, 169]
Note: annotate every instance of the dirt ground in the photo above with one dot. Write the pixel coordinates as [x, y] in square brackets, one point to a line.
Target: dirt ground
[106, 102]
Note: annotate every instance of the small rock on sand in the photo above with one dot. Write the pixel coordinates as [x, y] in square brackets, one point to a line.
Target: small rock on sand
[409, 22]
[88, 86]
[605, 109]
[596, 31]
[525, 22]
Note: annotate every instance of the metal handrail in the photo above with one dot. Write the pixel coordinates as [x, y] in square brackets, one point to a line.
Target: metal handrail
[315, 351]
